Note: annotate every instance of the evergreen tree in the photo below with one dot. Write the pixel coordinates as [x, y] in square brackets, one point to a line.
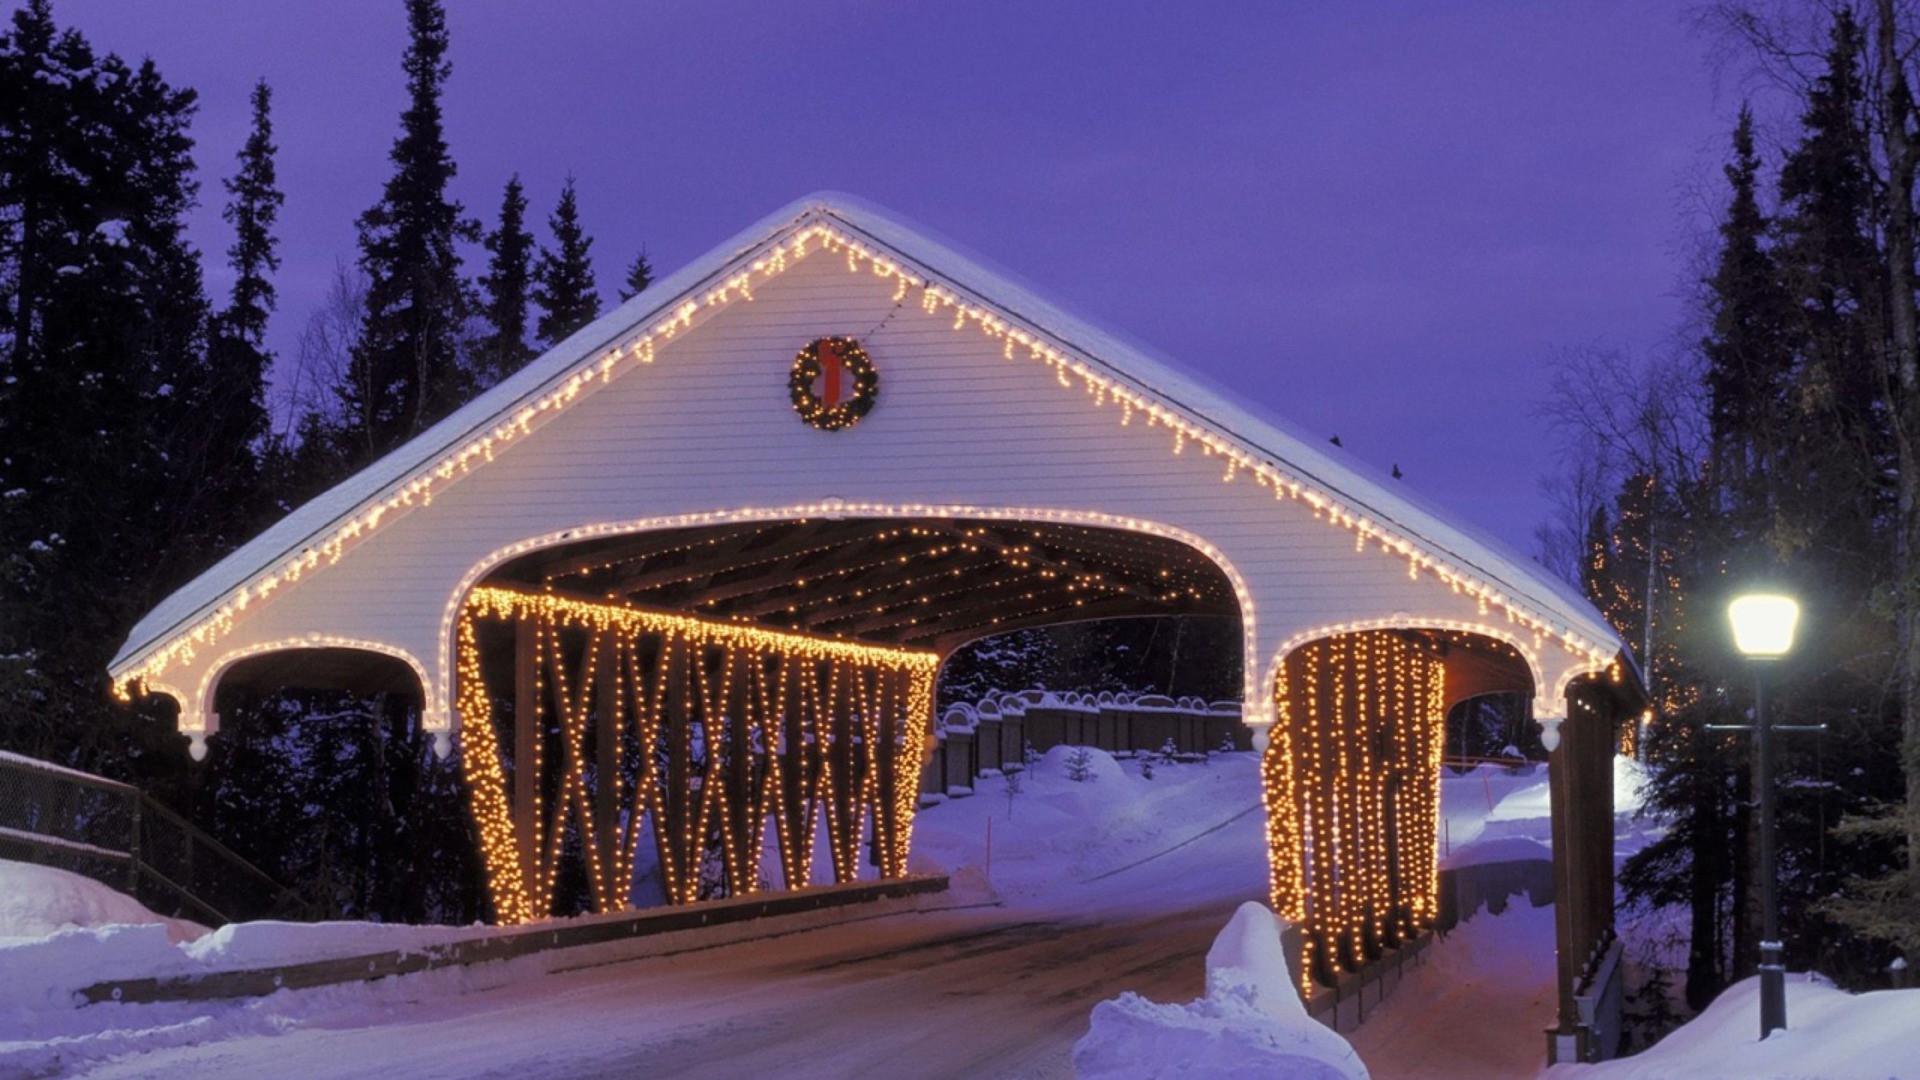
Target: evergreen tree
[639, 276]
[1748, 352]
[563, 280]
[231, 443]
[1831, 269]
[253, 207]
[405, 372]
[503, 349]
[102, 380]
[1796, 493]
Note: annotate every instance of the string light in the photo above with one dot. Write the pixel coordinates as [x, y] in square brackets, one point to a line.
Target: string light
[640, 348]
[834, 509]
[856, 756]
[1350, 781]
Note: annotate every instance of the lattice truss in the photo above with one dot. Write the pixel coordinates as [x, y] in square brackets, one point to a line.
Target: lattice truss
[630, 724]
[1352, 784]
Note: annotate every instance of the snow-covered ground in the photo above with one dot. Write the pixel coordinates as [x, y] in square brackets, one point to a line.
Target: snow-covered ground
[1830, 1034]
[1091, 890]
[987, 990]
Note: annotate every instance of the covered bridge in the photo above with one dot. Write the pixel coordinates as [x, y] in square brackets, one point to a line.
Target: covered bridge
[688, 578]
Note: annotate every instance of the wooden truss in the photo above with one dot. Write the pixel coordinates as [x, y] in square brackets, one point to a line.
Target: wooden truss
[631, 724]
[1352, 780]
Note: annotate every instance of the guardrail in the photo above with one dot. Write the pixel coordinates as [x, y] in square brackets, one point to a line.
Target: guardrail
[510, 944]
[119, 835]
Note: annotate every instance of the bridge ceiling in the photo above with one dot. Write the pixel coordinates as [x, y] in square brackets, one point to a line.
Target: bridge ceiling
[926, 583]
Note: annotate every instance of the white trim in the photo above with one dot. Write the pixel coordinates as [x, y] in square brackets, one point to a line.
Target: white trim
[432, 718]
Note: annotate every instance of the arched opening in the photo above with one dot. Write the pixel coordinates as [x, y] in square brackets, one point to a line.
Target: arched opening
[325, 776]
[1352, 774]
[690, 699]
[339, 668]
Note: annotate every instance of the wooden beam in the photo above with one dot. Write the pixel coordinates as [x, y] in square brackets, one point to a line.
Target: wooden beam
[944, 637]
[873, 554]
[691, 567]
[526, 747]
[606, 768]
[566, 562]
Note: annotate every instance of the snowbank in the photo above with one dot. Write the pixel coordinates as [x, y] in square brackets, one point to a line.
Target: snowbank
[1250, 1023]
[1830, 1034]
[40, 901]
[61, 932]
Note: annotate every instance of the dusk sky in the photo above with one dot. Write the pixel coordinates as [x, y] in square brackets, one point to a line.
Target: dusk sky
[1376, 219]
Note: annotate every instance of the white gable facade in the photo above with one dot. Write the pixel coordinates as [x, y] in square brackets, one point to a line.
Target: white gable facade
[673, 411]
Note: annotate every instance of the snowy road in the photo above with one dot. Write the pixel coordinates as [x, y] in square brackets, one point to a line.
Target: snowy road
[980, 993]
[1110, 886]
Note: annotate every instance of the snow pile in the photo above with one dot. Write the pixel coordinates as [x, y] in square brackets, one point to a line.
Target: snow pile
[1830, 1034]
[40, 901]
[61, 933]
[1250, 1023]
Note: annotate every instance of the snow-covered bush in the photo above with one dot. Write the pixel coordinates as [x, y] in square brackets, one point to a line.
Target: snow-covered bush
[1080, 765]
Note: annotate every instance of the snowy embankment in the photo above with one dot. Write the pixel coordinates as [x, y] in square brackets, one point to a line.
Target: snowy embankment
[1830, 1034]
[61, 932]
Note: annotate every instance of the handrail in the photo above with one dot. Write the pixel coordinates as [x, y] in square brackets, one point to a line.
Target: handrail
[201, 837]
[119, 834]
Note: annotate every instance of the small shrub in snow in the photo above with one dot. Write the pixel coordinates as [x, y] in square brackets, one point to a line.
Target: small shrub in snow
[1029, 754]
[1226, 744]
[1146, 767]
[1080, 765]
[1014, 787]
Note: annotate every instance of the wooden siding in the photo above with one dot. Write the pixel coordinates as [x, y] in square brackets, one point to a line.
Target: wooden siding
[707, 427]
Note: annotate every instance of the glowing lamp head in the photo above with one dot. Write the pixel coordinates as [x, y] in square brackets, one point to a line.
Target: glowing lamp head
[1763, 624]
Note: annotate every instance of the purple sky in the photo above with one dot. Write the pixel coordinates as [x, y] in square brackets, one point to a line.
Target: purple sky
[1378, 219]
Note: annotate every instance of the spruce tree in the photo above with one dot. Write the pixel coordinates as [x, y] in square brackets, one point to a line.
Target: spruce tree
[102, 379]
[639, 276]
[230, 444]
[563, 279]
[405, 372]
[503, 349]
[1830, 266]
[1748, 351]
[254, 202]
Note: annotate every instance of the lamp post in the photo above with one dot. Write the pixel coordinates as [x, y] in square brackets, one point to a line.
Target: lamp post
[1763, 630]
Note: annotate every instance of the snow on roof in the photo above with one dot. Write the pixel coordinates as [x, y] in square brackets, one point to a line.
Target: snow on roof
[939, 261]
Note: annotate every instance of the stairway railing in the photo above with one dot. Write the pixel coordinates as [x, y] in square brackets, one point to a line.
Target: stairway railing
[119, 835]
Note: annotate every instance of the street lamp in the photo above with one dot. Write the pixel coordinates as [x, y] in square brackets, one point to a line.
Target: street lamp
[1763, 631]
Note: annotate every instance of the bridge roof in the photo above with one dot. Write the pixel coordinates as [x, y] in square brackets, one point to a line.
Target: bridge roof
[1389, 512]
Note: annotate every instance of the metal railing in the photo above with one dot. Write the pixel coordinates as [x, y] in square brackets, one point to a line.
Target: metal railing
[119, 835]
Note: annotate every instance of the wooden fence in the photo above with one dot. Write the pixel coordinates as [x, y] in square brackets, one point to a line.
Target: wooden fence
[997, 732]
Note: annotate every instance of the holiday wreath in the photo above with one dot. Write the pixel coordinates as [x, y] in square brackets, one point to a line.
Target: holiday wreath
[833, 383]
